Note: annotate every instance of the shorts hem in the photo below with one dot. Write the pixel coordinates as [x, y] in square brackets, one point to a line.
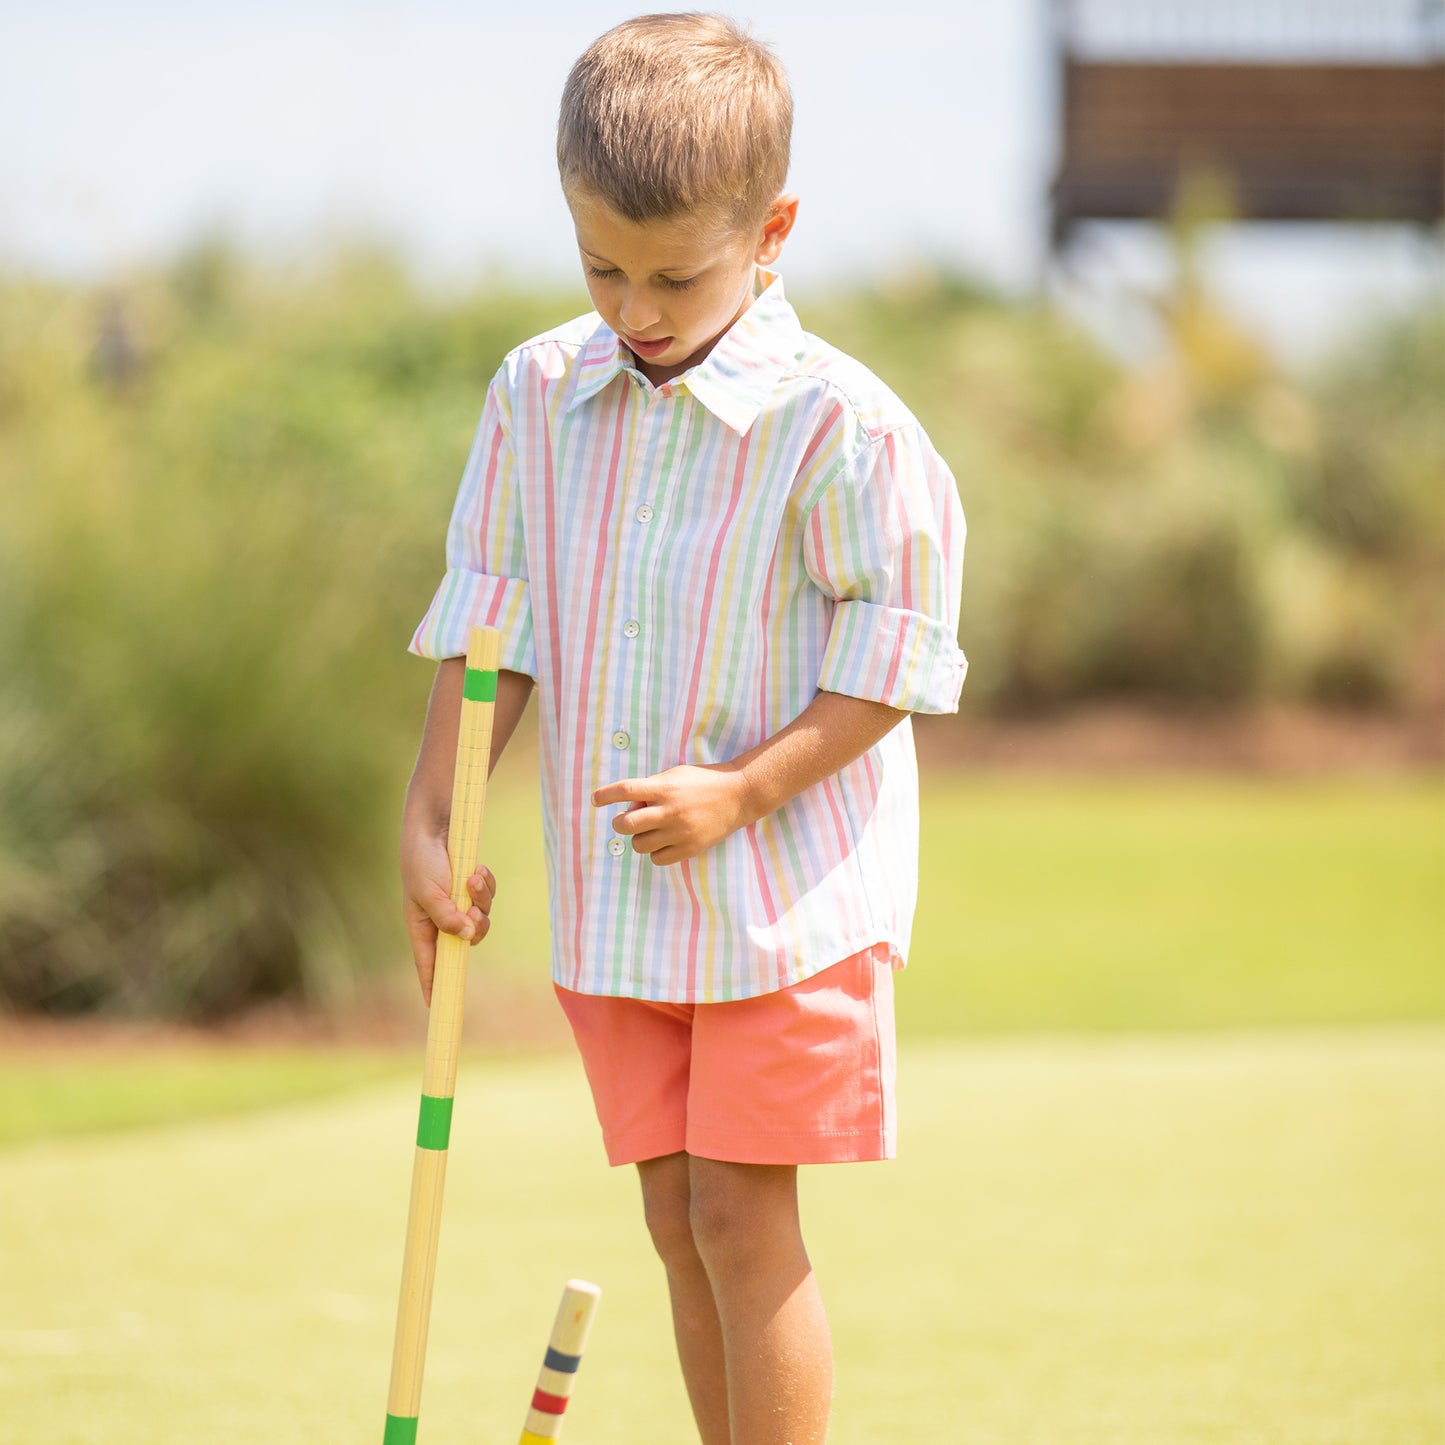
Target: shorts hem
[636, 1147]
[850, 1146]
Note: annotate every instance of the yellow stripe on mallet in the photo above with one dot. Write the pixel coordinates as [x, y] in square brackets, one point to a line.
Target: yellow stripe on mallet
[443, 1039]
[561, 1362]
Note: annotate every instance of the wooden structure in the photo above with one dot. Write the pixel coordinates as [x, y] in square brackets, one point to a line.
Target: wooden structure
[1332, 136]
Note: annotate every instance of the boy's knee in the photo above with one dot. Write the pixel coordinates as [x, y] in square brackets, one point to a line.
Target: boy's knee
[666, 1208]
[738, 1209]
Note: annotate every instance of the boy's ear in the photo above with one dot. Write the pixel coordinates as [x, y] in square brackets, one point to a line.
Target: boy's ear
[777, 228]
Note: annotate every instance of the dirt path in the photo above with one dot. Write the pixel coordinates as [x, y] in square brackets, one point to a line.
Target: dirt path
[1117, 738]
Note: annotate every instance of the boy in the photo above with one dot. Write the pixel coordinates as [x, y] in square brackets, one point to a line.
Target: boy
[728, 560]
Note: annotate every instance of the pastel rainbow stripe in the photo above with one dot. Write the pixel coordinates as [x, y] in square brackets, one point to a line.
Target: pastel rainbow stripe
[443, 1042]
[561, 1363]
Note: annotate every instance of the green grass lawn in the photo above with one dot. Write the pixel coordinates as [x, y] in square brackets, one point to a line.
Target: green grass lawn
[69, 1092]
[1173, 1091]
[1177, 903]
[1229, 1239]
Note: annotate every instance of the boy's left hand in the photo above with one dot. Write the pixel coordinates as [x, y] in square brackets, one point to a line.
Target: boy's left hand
[681, 812]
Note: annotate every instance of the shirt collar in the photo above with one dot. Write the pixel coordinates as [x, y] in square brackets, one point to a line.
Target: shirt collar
[736, 377]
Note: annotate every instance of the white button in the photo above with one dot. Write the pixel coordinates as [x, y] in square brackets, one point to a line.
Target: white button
[644, 513]
[620, 739]
[617, 846]
[631, 627]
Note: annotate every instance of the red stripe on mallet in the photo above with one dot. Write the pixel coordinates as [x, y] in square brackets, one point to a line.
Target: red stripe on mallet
[549, 1404]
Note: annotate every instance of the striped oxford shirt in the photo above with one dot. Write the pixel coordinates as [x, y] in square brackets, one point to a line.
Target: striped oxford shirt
[681, 568]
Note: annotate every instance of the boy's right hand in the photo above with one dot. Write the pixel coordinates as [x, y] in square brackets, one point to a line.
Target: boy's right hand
[426, 875]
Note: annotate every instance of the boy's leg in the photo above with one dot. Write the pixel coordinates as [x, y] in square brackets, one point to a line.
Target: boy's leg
[752, 1337]
[667, 1205]
[804, 1074]
[775, 1338]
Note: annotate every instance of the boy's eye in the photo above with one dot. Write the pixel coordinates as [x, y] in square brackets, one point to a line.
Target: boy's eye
[598, 273]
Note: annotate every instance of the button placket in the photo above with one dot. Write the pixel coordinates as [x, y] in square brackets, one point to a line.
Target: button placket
[659, 426]
[642, 465]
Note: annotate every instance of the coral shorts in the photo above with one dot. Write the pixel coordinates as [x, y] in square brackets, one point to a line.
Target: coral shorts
[804, 1075]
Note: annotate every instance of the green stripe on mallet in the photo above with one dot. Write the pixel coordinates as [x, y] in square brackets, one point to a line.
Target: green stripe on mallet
[400, 1431]
[435, 1125]
[479, 685]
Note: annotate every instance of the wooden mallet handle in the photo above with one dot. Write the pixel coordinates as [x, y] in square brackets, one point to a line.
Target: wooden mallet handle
[443, 1040]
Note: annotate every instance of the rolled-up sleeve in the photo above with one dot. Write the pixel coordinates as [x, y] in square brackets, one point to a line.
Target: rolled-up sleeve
[486, 578]
[885, 541]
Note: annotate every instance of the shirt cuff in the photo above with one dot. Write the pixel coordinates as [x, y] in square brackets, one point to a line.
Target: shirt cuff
[473, 599]
[890, 655]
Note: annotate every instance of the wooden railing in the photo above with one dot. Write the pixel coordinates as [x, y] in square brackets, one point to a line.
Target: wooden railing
[1295, 141]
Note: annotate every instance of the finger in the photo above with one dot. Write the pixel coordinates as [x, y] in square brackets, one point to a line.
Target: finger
[424, 952]
[450, 919]
[482, 886]
[666, 854]
[638, 820]
[624, 790]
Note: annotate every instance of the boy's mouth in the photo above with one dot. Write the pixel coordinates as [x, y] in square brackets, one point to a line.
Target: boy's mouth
[649, 349]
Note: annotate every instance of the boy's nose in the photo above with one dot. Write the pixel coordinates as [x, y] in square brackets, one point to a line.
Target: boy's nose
[637, 314]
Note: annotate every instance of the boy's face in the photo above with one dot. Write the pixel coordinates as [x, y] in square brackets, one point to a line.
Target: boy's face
[671, 288]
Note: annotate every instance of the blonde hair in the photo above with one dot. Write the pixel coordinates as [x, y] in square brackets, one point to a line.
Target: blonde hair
[667, 115]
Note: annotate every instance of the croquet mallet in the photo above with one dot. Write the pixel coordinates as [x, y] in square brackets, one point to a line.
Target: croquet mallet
[443, 1039]
[439, 1077]
[559, 1365]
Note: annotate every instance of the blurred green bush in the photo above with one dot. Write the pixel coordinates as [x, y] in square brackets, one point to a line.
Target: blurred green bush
[1206, 530]
[224, 489]
[221, 524]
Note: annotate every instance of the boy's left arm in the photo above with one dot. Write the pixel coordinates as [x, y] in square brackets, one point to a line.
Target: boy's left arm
[683, 811]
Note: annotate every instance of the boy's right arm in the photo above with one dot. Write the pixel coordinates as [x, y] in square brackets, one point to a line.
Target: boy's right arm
[426, 872]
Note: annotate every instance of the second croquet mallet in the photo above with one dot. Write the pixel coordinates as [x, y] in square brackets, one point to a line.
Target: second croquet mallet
[443, 1040]
[560, 1363]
